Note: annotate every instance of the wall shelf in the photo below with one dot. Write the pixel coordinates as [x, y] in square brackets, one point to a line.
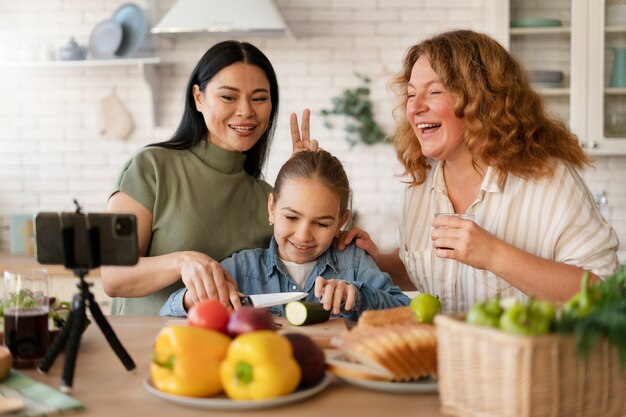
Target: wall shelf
[616, 29]
[614, 91]
[146, 66]
[83, 63]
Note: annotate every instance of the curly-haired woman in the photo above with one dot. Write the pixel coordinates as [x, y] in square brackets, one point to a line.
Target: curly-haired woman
[474, 138]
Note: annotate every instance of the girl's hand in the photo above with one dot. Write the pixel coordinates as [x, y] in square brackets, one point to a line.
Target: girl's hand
[362, 240]
[464, 241]
[205, 279]
[302, 142]
[334, 293]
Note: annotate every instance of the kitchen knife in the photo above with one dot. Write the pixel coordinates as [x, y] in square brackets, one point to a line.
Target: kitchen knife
[269, 300]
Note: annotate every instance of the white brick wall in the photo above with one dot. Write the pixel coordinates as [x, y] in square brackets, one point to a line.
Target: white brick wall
[51, 150]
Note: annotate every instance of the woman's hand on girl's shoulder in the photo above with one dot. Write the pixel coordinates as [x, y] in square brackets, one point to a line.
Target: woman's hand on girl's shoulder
[302, 142]
[362, 240]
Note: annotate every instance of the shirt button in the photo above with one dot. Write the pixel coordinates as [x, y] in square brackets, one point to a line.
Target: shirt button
[293, 287]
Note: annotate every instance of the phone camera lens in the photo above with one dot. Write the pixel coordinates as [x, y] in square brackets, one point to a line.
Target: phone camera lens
[123, 226]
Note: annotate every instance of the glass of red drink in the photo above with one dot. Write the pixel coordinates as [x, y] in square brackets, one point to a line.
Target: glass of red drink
[25, 304]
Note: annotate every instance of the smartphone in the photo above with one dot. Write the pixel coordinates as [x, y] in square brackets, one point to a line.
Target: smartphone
[86, 240]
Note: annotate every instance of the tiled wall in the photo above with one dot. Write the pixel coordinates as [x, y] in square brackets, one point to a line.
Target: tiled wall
[52, 150]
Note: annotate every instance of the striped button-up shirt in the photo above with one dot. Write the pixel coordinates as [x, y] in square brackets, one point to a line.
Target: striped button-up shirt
[554, 218]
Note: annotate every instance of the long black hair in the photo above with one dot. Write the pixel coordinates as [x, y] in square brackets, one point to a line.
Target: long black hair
[192, 129]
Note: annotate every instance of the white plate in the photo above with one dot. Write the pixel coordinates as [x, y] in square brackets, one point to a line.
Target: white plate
[105, 39]
[223, 403]
[423, 386]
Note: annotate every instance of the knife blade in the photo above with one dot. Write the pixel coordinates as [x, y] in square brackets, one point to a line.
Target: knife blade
[269, 300]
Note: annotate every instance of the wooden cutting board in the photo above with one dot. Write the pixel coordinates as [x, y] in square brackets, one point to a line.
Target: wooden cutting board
[320, 333]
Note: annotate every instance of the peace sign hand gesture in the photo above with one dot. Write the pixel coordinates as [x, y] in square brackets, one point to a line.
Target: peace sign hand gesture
[302, 142]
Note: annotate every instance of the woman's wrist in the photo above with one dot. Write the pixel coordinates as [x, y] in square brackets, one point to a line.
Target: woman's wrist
[497, 257]
[176, 263]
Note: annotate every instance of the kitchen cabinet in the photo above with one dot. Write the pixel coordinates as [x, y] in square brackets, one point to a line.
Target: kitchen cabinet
[146, 66]
[581, 39]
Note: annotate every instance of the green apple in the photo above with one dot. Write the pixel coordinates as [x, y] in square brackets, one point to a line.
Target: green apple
[485, 314]
[530, 318]
[425, 307]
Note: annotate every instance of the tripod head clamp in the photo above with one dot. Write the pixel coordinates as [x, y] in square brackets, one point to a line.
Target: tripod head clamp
[91, 238]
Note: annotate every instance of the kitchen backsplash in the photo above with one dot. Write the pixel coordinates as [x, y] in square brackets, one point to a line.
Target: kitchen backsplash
[52, 149]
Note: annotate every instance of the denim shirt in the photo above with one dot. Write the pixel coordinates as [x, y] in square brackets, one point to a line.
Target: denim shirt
[260, 271]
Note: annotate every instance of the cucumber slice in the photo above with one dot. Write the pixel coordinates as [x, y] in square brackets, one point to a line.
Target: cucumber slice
[301, 313]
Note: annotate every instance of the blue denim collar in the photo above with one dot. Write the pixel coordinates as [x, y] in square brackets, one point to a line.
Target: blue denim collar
[326, 259]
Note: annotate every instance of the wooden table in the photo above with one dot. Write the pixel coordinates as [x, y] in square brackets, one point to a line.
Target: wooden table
[107, 389]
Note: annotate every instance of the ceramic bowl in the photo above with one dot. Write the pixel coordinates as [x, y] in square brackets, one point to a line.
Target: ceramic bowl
[545, 78]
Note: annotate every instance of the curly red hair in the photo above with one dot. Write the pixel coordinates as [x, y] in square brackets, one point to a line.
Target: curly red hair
[507, 126]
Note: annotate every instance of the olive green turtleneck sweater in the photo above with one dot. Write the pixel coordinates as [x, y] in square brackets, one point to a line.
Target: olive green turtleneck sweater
[202, 200]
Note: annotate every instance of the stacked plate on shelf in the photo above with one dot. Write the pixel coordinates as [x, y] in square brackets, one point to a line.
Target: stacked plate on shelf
[121, 35]
[545, 78]
[535, 22]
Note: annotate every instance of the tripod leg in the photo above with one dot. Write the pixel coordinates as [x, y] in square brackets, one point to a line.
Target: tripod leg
[58, 344]
[108, 332]
[78, 305]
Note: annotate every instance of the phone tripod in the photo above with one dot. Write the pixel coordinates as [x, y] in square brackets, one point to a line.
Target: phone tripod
[71, 332]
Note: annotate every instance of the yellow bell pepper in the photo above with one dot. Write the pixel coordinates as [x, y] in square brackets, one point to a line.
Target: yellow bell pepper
[186, 361]
[258, 366]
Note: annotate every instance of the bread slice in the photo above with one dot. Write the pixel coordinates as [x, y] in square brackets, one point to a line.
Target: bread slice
[357, 349]
[387, 317]
[342, 367]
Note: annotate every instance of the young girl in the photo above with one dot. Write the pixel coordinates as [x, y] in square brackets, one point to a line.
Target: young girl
[309, 205]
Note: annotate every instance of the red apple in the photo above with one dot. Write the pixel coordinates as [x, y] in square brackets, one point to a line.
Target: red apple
[249, 319]
[309, 356]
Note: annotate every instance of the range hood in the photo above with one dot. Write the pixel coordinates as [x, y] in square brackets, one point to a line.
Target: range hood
[222, 16]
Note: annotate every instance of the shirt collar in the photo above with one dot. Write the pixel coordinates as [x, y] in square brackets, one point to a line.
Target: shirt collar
[438, 182]
[326, 259]
[490, 181]
[489, 184]
[221, 160]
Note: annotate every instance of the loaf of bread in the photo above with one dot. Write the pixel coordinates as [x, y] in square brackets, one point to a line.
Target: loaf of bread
[386, 317]
[402, 352]
[388, 345]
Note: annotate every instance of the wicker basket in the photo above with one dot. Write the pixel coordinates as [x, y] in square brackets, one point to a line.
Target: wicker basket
[486, 372]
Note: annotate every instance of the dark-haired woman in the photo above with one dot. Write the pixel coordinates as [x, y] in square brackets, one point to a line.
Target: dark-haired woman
[199, 196]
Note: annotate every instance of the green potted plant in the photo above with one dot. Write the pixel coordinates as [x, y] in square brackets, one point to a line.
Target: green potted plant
[356, 106]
